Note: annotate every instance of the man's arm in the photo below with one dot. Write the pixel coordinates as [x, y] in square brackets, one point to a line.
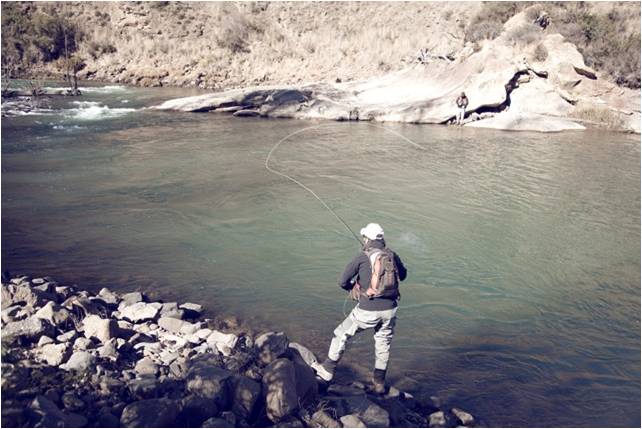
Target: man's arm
[401, 268]
[350, 272]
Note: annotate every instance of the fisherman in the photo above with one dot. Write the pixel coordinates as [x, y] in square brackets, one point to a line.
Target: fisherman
[372, 278]
[462, 103]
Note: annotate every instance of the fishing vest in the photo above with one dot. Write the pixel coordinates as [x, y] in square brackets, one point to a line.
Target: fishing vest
[385, 275]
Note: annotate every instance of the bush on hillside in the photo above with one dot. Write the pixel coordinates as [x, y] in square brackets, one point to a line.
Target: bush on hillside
[488, 22]
[541, 53]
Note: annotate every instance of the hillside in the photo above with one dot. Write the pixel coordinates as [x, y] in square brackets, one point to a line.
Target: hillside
[236, 44]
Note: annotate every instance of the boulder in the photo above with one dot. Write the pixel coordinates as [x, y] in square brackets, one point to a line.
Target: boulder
[68, 336]
[108, 296]
[170, 309]
[463, 417]
[131, 298]
[324, 420]
[54, 314]
[44, 340]
[54, 354]
[72, 402]
[305, 353]
[371, 414]
[29, 329]
[270, 346]
[437, 420]
[138, 312]
[146, 366]
[79, 361]
[11, 314]
[192, 311]
[24, 295]
[279, 383]
[224, 343]
[109, 350]
[47, 414]
[150, 413]
[189, 328]
[207, 379]
[83, 343]
[99, 328]
[143, 387]
[195, 410]
[245, 393]
[352, 421]
[171, 324]
[307, 387]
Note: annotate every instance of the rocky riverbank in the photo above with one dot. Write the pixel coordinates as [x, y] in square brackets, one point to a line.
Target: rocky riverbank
[527, 79]
[71, 358]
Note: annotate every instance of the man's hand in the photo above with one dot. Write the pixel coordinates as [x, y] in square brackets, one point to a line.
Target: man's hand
[371, 292]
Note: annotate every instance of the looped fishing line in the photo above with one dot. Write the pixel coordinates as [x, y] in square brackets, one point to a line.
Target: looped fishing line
[292, 179]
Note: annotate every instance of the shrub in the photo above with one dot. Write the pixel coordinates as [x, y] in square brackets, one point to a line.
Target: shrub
[488, 22]
[524, 34]
[600, 115]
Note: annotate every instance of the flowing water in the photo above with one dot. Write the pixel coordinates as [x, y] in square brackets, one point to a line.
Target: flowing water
[523, 300]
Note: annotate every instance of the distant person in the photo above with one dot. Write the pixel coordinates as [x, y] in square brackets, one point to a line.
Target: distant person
[373, 279]
[462, 103]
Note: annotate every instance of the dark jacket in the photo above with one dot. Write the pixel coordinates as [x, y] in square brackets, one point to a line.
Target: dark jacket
[462, 101]
[359, 269]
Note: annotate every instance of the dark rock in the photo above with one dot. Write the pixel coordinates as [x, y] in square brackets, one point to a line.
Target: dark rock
[12, 313]
[192, 311]
[245, 393]
[72, 402]
[290, 422]
[280, 389]
[371, 414]
[195, 410]
[83, 307]
[207, 379]
[271, 346]
[307, 387]
[215, 422]
[344, 390]
[144, 387]
[325, 420]
[308, 357]
[13, 417]
[150, 413]
[45, 413]
[107, 420]
[79, 361]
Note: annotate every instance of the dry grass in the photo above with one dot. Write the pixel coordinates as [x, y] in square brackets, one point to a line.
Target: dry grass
[600, 115]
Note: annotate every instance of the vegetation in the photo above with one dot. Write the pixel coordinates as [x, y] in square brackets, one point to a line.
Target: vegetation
[32, 37]
[607, 41]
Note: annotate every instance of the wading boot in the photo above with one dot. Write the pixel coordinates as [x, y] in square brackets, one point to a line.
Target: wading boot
[325, 370]
[379, 381]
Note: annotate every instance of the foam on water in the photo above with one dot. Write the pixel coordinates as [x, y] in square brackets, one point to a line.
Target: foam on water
[93, 110]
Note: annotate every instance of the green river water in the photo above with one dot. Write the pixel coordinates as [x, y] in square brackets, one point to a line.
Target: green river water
[522, 303]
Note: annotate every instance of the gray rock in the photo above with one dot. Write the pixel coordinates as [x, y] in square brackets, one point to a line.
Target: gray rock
[44, 340]
[150, 413]
[79, 361]
[108, 296]
[464, 418]
[83, 306]
[371, 414]
[174, 341]
[178, 368]
[138, 312]
[97, 327]
[203, 333]
[109, 350]
[146, 366]
[224, 343]
[207, 379]
[24, 295]
[47, 414]
[216, 422]
[304, 352]
[31, 329]
[189, 328]
[168, 356]
[131, 298]
[68, 336]
[271, 346]
[325, 420]
[437, 420]
[144, 387]
[54, 354]
[352, 421]
[83, 343]
[11, 314]
[280, 385]
[171, 324]
[54, 314]
[107, 420]
[245, 393]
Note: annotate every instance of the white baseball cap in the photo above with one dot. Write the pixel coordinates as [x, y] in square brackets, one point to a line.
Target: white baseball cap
[372, 231]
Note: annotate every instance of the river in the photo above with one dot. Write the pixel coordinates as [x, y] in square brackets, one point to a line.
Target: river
[522, 303]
